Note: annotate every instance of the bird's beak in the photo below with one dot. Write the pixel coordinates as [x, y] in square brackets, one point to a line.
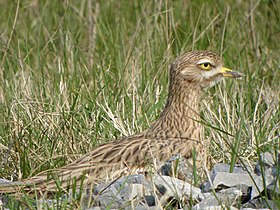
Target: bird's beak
[229, 73]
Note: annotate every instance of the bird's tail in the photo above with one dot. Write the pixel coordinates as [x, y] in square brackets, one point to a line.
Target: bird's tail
[11, 187]
[49, 181]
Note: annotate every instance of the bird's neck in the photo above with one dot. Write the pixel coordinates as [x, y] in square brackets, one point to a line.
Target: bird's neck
[180, 116]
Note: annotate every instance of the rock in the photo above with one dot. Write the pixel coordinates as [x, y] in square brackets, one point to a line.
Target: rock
[278, 158]
[222, 167]
[150, 200]
[274, 188]
[267, 159]
[123, 192]
[227, 197]
[94, 208]
[266, 162]
[252, 209]
[3, 200]
[140, 207]
[217, 208]
[171, 187]
[225, 179]
[178, 166]
[221, 180]
[259, 187]
[259, 203]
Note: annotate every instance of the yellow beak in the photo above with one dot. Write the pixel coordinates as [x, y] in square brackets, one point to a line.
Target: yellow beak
[229, 73]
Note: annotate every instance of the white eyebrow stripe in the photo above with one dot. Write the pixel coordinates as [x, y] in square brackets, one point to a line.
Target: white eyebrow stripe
[204, 60]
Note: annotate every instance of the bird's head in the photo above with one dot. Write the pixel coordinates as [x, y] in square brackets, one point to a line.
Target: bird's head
[202, 68]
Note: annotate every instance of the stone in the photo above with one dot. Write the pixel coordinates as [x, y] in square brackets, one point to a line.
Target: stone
[259, 203]
[94, 208]
[267, 159]
[258, 186]
[274, 188]
[252, 209]
[123, 192]
[221, 180]
[3, 200]
[217, 208]
[150, 200]
[171, 187]
[225, 179]
[222, 167]
[266, 162]
[227, 197]
[182, 166]
[141, 207]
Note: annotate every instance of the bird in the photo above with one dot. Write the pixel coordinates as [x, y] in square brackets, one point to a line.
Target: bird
[178, 130]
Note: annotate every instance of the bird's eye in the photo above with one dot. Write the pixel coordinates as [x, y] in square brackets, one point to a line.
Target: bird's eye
[205, 66]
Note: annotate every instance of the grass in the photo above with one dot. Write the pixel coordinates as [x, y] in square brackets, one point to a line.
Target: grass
[75, 74]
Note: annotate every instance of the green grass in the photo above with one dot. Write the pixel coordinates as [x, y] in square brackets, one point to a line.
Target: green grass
[73, 77]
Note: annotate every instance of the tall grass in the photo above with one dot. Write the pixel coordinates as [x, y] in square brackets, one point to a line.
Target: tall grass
[75, 74]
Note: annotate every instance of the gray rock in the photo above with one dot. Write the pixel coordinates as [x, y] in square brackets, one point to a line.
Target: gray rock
[274, 188]
[266, 162]
[94, 208]
[222, 167]
[258, 187]
[171, 187]
[123, 192]
[252, 209]
[275, 171]
[141, 207]
[227, 197]
[3, 200]
[278, 158]
[221, 179]
[182, 166]
[259, 203]
[267, 159]
[217, 208]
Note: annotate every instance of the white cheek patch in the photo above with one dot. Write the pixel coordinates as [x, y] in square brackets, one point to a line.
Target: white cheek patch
[211, 73]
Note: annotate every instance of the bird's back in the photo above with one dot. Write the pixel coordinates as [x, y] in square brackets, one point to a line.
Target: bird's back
[133, 154]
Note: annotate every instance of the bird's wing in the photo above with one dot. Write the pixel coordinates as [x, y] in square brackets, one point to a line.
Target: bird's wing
[106, 162]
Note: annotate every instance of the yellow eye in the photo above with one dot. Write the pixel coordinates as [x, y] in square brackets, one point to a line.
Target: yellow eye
[205, 66]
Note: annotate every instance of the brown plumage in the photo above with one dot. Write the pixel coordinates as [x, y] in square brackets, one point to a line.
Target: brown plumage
[177, 131]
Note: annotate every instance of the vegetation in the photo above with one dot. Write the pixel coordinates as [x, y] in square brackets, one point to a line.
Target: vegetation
[75, 74]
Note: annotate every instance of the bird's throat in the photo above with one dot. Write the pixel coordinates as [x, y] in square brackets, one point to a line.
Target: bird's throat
[180, 117]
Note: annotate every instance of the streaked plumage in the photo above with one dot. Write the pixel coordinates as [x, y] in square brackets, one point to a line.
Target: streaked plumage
[177, 131]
